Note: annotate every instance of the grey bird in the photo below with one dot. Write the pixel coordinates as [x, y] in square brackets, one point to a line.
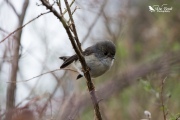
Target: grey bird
[99, 58]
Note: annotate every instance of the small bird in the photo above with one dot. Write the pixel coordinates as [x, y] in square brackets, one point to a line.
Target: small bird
[99, 58]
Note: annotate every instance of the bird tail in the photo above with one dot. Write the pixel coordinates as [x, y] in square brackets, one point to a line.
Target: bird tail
[68, 60]
[64, 58]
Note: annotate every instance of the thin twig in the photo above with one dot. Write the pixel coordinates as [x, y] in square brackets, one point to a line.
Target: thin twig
[162, 100]
[59, 5]
[75, 9]
[23, 26]
[51, 96]
[107, 22]
[73, 25]
[6, 32]
[73, 12]
[70, 6]
[41, 75]
[94, 22]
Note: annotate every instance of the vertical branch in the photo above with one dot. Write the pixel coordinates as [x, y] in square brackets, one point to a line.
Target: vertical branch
[59, 5]
[69, 5]
[77, 49]
[73, 25]
[11, 90]
[84, 65]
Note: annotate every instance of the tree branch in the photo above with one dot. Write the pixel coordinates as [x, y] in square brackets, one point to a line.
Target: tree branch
[70, 6]
[73, 25]
[41, 75]
[11, 89]
[19, 28]
[12, 6]
[59, 5]
[80, 56]
[94, 22]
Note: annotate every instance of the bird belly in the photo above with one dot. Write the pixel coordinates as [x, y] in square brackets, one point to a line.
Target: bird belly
[97, 67]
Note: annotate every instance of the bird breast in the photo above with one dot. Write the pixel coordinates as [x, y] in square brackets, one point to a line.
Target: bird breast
[97, 66]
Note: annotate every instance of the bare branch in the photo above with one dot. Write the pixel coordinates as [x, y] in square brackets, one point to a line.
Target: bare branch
[23, 26]
[79, 54]
[73, 13]
[11, 89]
[75, 9]
[59, 5]
[107, 22]
[6, 32]
[12, 6]
[73, 25]
[50, 97]
[94, 22]
[41, 75]
[70, 6]
[84, 66]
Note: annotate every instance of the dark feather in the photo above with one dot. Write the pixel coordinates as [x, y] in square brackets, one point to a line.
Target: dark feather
[79, 76]
[88, 51]
[68, 61]
[64, 58]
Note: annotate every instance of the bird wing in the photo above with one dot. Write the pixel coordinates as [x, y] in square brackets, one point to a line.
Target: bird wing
[69, 60]
[88, 51]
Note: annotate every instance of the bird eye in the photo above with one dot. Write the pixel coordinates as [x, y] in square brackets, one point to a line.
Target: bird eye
[105, 53]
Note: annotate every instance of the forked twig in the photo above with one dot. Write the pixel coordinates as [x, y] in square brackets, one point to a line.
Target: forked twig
[73, 26]
[70, 6]
[73, 13]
